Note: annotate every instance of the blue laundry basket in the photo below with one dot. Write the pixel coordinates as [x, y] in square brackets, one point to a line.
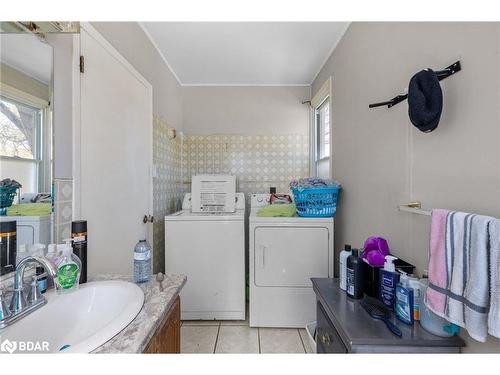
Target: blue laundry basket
[316, 201]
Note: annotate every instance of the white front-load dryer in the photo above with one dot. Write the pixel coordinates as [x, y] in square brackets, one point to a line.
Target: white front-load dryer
[210, 250]
[284, 253]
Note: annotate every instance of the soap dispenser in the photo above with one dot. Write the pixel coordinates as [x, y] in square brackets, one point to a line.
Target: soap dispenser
[404, 300]
[68, 269]
[389, 278]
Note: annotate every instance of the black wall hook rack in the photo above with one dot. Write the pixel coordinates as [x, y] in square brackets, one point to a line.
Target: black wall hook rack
[441, 74]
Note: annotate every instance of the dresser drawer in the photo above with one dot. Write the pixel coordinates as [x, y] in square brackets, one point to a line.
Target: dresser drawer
[327, 338]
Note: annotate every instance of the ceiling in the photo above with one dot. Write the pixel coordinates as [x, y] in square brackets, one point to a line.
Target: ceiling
[27, 54]
[245, 53]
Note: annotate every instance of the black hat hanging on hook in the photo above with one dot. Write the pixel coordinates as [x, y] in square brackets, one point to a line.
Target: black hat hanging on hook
[425, 100]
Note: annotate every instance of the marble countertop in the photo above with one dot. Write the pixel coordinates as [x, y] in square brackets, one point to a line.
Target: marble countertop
[136, 336]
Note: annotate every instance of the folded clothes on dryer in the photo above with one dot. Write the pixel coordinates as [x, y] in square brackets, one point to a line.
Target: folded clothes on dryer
[277, 210]
[312, 182]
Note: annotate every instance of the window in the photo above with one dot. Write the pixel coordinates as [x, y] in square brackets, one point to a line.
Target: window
[21, 151]
[321, 131]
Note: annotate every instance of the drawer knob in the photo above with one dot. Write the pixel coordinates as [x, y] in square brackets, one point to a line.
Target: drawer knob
[325, 339]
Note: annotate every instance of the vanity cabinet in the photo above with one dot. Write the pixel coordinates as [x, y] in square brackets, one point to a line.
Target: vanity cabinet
[167, 338]
[328, 339]
[343, 326]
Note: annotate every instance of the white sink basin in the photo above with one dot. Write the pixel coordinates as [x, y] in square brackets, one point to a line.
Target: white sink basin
[82, 320]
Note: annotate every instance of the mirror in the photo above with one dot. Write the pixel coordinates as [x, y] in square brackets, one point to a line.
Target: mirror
[26, 147]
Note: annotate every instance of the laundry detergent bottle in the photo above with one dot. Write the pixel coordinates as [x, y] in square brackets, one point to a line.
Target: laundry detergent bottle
[68, 269]
[344, 254]
[389, 278]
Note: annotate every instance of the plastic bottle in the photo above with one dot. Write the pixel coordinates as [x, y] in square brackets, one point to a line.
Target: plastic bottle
[417, 295]
[431, 322]
[344, 254]
[142, 262]
[404, 300]
[22, 252]
[355, 281]
[389, 278]
[8, 247]
[53, 254]
[68, 269]
[38, 249]
[79, 236]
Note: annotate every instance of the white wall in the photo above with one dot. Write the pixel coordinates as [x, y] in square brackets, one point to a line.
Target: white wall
[382, 161]
[131, 41]
[62, 108]
[245, 109]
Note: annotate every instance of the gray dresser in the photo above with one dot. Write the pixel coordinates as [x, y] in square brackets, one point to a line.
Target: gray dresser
[343, 326]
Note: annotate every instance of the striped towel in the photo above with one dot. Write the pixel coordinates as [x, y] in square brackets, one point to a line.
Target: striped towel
[494, 314]
[466, 260]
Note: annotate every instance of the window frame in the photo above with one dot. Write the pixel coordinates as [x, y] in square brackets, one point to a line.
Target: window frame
[322, 96]
[43, 149]
[319, 134]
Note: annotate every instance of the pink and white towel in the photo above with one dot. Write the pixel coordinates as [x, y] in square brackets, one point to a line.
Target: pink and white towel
[435, 300]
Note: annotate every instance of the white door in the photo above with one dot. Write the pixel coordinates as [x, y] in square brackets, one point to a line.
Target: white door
[290, 256]
[114, 187]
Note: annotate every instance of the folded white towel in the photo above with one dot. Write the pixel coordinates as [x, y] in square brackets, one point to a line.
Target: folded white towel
[467, 258]
[494, 314]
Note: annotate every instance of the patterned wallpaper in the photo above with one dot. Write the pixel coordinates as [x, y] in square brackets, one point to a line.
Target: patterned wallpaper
[167, 187]
[63, 208]
[258, 161]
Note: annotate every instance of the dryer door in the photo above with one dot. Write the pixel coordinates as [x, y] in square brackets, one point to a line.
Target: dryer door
[290, 256]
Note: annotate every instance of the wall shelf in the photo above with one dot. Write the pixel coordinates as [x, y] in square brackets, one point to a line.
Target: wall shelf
[414, 208]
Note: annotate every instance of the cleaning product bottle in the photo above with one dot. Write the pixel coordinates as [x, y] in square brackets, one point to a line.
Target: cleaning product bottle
[404, 300]
[53, 254]
[389, 278]
[344, 254]
[38, 249]
[68, 269]
[354, 272]
[142, 262]
[417, 295]
[79, 236]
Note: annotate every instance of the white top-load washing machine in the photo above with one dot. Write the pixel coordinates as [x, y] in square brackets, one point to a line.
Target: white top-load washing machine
[209, 248]
[285, 252]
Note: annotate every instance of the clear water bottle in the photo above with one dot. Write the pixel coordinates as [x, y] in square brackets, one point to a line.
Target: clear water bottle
[142, 262]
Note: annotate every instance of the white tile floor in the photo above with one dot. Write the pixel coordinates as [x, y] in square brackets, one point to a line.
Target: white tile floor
[238, 337]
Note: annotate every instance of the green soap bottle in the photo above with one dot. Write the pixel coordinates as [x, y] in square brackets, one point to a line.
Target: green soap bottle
[68, 269]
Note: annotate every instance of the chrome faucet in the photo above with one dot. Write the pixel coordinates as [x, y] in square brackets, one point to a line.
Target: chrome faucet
[20, 306]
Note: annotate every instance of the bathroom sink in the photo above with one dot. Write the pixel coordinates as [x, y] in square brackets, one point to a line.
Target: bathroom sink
[79, 321]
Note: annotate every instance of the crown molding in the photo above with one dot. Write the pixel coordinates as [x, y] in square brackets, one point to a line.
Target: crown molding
[246, 85]
[330, 52]
[160, 52]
